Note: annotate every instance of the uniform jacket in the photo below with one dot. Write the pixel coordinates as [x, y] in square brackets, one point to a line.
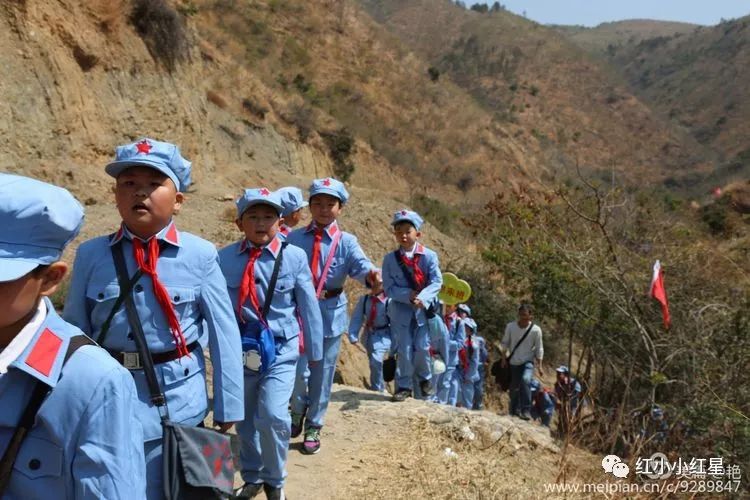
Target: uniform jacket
[294, 291]
[398, 289]
[348, 261]
[86, 441]
[188, 267]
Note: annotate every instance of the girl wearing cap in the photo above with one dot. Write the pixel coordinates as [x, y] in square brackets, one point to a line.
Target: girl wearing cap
[333, 255]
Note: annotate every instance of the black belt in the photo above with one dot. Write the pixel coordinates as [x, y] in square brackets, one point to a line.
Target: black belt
[329, 294]
[132, 360]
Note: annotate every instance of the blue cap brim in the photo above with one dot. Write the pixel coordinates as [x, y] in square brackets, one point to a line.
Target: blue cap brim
[329, 191]
[279, 208]
[117, 167]
[13, 269]
[290, 211]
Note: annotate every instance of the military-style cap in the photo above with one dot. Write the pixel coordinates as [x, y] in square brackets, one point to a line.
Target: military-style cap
[408, 216]
[37, 221]
[465, 308]
[330, 186]
[562, 369]
[161, 156]
[258, 196]
[292, 199]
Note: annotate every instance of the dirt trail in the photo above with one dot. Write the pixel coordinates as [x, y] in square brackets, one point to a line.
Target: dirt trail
[373, 448]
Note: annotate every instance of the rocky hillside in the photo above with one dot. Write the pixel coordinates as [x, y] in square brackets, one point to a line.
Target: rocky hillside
[697, 80]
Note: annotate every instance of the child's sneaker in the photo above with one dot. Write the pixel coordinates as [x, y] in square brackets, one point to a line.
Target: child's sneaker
[401, 395]
[250, 490]
[426, 387]
[311, 446]
[274, 493]
[298, 420]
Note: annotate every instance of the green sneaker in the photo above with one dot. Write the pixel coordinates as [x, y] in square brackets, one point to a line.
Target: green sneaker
[311, 446]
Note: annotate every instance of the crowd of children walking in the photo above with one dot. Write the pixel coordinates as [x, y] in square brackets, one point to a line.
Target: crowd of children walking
[270, 307]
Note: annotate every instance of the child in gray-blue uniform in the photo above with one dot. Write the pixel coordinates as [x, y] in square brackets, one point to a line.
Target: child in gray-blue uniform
[469, 370]
[412, 279]
[249, 266]
[449, 383]
[371, 312]
[83, 441]
[334, 255]
[293, 202]
[483, 361]
[180, 293]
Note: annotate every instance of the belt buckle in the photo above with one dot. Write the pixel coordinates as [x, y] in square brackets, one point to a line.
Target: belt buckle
[131, 360]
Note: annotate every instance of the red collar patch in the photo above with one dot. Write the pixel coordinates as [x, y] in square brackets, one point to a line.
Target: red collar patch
[42, 357]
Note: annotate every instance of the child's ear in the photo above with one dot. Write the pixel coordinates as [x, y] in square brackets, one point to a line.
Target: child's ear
[419, 234]
[179, 199]
[52, 276]
[238, 222]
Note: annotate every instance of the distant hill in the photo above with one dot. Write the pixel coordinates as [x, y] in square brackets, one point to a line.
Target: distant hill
[557, 98]
[608, 37]
[699, 80]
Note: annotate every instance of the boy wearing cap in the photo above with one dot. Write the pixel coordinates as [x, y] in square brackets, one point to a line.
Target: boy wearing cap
[293, 202]
[450, 381]
[333, 255]
[412, 279]
[83, 440]
[180, 293]
[249, 267]
[371, 312]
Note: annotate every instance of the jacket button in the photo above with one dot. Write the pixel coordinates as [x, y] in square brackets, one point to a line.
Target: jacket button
[130, 336]
[34, 464]
[187, 370]
[100, 296]
[138, 288]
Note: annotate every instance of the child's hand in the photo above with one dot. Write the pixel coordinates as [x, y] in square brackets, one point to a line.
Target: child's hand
[418, 303]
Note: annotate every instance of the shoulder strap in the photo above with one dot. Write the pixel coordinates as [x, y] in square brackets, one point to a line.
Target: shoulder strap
[364, 306]
[520, 341]
[40, 392]
[157, 396]
[407, 274]
[272, 283]
[329, 260]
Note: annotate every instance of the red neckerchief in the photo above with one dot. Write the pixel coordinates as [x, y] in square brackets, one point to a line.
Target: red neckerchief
[413, 263]
[247, 287]
[315, 258]
[160, 291]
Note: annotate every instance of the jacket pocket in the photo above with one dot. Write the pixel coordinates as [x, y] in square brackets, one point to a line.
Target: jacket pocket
[183, 302]
[40, 458]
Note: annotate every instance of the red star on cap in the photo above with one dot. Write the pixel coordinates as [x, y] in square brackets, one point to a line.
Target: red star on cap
[403, 212]
[143, 147]
[326, 182]
[264, 192]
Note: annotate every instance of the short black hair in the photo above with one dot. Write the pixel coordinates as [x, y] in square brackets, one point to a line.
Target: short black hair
[39, 269]
[526, 307]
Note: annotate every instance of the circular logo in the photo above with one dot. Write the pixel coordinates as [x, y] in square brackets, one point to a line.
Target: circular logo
[659, 467]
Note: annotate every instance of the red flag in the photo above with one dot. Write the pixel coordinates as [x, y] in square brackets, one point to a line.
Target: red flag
[660, 293]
